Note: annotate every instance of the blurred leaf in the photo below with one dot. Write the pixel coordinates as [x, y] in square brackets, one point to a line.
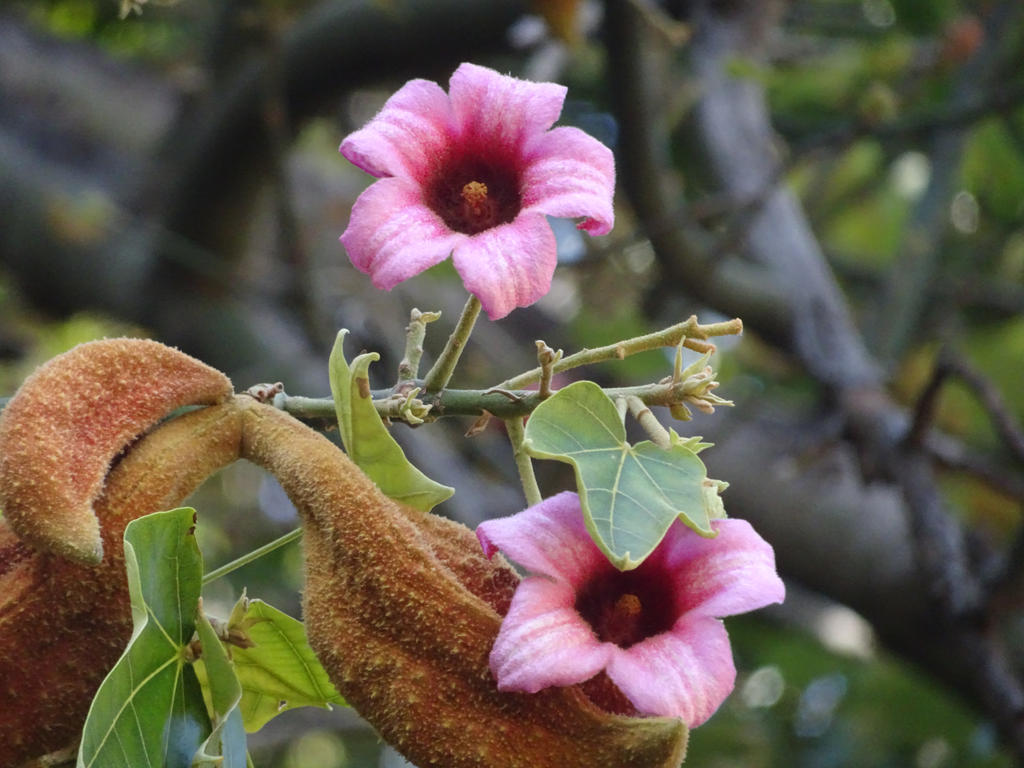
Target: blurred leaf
[994, 171]
[561, 17]
[280, 670]
[861, 164]
[889, 57]
[923, 18]
[818, 92]
[630, 494]
[610, 311]
[72, 18]
[743, 68]
[366, 439]
[149, 710]
[871, 229]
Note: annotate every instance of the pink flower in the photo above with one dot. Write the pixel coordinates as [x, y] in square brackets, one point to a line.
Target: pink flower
[655, 630]
[473, 173]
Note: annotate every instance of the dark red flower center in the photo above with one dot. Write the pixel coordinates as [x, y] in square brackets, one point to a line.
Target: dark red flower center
[474, 193]
[625, 607]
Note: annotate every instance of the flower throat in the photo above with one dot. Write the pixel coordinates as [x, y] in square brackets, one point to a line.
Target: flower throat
[624, 608]
[472, 195]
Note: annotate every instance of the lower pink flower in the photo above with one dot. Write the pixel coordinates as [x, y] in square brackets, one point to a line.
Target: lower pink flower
[655, 630]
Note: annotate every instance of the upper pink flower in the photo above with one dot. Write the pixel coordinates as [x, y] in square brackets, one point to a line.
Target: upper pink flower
[472, 173]
[655, 630]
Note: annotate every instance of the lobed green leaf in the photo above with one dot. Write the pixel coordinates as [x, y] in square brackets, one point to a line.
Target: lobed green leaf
[630, 494]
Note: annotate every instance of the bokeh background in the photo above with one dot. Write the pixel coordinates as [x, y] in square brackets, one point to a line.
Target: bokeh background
[845, 175]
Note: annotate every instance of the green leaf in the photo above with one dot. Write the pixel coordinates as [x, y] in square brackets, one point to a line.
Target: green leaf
[279, 671]
[630, 494]
[225, 747]
[366, 439]
[149, 710]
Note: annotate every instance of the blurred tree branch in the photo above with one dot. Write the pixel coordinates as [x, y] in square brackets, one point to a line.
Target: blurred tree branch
[170, 265]
[826, 517]
[972, 107]
[908, 289]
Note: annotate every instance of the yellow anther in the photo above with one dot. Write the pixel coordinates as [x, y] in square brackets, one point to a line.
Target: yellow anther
[475, 195]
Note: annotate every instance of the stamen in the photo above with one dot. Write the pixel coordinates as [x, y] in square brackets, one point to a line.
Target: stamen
[623, 621]
[628, 605]
[475, 195]
[472, 194]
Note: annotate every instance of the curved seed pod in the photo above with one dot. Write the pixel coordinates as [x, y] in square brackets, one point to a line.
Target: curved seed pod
[71, 417]
[63, 625]
[400, 608]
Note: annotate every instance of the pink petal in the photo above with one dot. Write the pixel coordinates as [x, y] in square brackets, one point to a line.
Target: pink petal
[510, 265]
[729, 574]
[496, 110]
[392, 235]
[570, 174]
[407, 136]
[685, 673]
[548, 539]
[543, 641]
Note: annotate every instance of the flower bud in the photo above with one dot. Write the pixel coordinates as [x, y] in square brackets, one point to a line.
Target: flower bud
[71, 417]
[63, 624]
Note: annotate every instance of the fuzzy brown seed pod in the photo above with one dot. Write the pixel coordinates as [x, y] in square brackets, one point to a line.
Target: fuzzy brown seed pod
[402, 609]
[401, 606]
[71, 417]
[64, 624]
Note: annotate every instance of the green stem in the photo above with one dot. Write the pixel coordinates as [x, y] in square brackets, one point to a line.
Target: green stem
[646, 418]
[249, 557]
[409, 368]
[689, 333]
[547, 357]
[516, 433]
[509, 399]
[502, 404]
[439, 376]
[621, 408]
